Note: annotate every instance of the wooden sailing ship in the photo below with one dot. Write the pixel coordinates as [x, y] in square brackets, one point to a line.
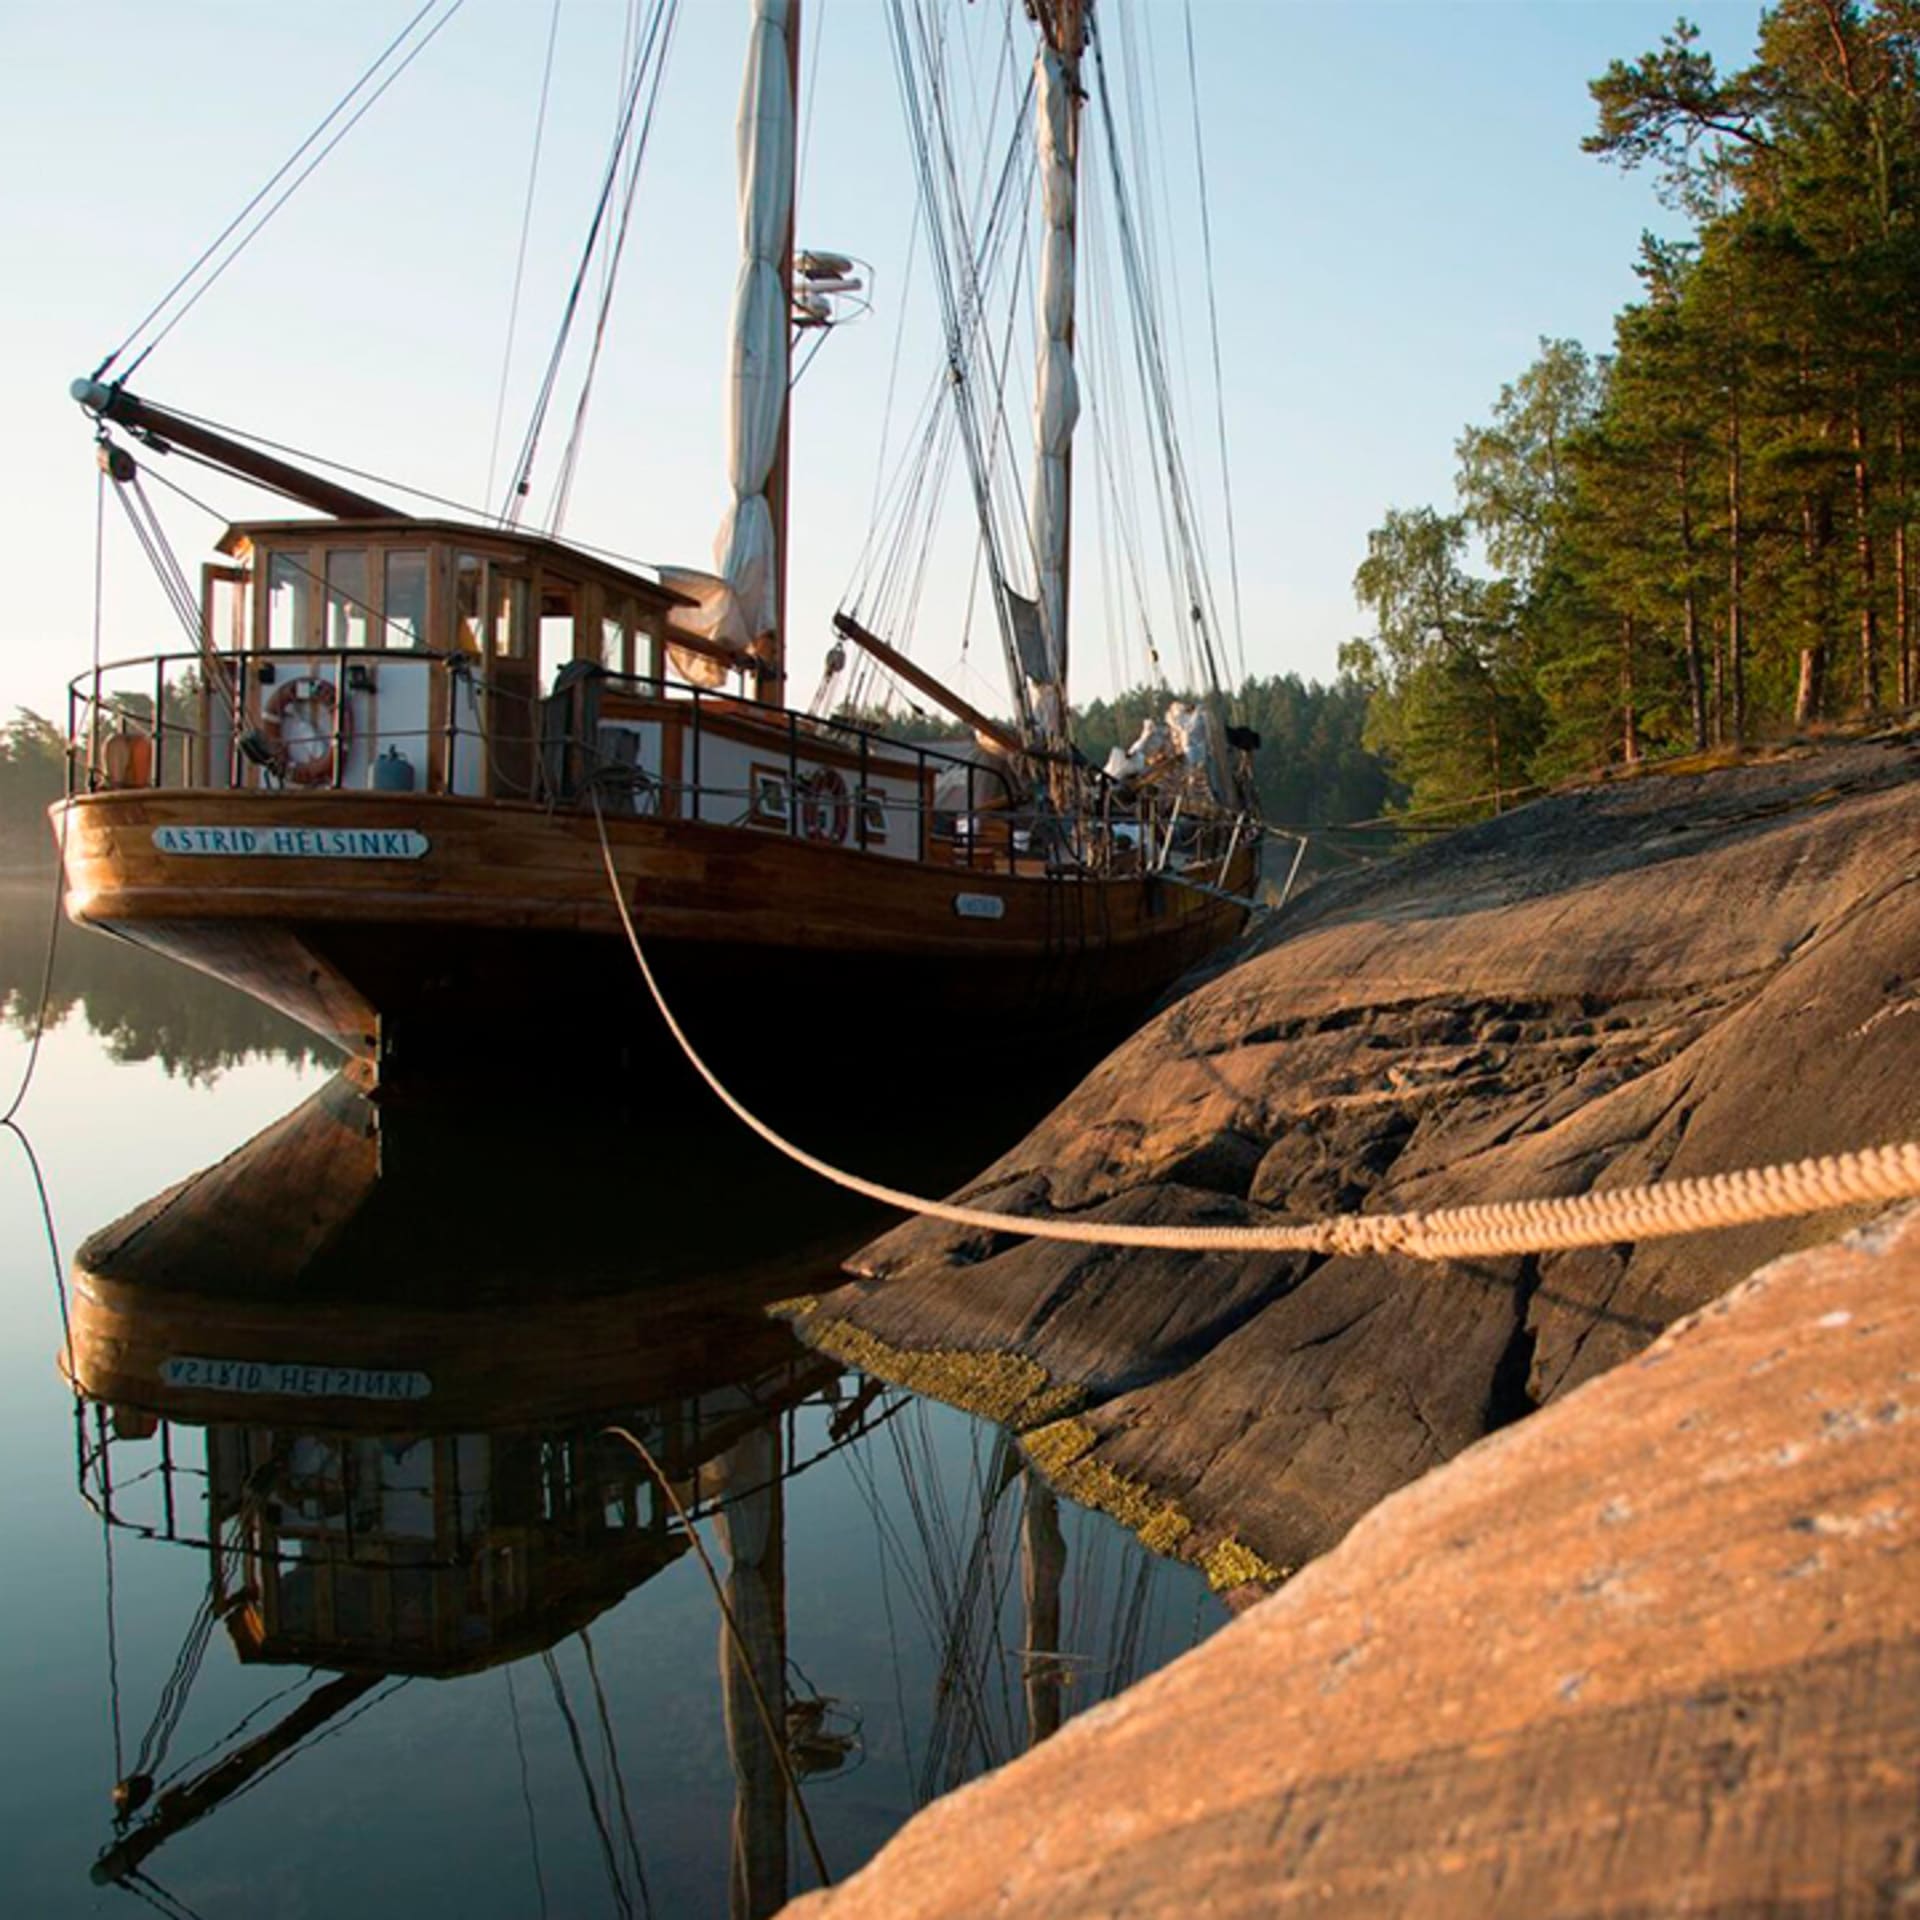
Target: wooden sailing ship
[374, 793]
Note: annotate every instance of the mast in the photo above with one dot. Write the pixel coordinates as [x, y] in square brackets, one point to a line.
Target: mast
[1056, 399]
[751, 1525]
[748, 548]
[1043, 1562]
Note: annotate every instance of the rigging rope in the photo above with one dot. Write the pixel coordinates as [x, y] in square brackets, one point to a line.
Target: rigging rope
[776, 1734]
[1595, 1219]
[526, 1790]
[661, 28]
[247, 238]
[520, 257]
[610, 179]
[609, 1858]
[1213, 332]
[38, 1032]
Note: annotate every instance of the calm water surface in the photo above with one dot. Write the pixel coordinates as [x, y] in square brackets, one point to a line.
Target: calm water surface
[337, 1554]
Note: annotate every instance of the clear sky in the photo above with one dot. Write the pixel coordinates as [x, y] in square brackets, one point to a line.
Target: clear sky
[1400, 210]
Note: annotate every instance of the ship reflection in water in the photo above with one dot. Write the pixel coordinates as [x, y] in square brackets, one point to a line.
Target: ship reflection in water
[368, 1368]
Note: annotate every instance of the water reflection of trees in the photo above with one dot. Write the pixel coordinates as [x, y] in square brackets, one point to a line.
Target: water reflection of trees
[142, 1006]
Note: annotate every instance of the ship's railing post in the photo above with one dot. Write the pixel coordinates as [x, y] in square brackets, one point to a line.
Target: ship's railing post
[696, 754]
[450, 747]
[340, 698]
[154, 772]
[236, 719]
[860, 798]
[793, 776]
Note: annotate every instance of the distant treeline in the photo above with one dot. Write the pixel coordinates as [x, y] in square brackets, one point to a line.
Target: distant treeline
[1705, 537]
[32, 777]
[1313, 768]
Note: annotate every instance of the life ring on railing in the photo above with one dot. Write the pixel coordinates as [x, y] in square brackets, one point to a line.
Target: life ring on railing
[826, 808]
[303, 724]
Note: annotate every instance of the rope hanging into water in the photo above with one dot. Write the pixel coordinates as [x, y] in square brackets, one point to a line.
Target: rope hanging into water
[1741, 1198]
[774, 1731]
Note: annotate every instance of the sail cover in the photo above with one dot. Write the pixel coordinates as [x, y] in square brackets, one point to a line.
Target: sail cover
[757, 377]
[1056, 401]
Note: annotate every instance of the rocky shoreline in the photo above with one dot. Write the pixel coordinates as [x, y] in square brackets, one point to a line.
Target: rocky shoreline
[1673, 975]
[1656, 1650]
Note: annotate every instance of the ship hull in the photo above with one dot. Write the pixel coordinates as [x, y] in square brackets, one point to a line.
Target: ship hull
[421, 932]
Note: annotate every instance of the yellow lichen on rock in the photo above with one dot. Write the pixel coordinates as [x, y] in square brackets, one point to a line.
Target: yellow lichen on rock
[1230, 1563]
[1001, 1387]
[1060, 1452]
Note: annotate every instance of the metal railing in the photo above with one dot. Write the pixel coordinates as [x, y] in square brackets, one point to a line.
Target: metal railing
[195, 720]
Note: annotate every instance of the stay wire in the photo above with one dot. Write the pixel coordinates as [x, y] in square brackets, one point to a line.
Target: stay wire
[619, 1773]
[609, 1857]
[666, 18]
[54, 917]
[529, 446]
[520, 257]
[247, 238]
[526, 1790]
[776, 1738]
[291, 160]
[1213, 331]
[167, 1902]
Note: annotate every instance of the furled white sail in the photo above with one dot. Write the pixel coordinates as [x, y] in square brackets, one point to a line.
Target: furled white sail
[757, 383]
[1056, 402]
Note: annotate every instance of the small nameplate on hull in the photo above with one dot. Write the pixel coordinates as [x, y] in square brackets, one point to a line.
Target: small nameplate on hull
[295, 843]
[294, 1379]
[979, 906]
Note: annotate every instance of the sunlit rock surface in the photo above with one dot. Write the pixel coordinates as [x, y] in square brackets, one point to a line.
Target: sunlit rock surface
[1655, 1650]
[1673, 975]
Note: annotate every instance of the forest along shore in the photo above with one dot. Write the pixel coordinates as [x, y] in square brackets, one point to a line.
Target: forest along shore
[1675, 975]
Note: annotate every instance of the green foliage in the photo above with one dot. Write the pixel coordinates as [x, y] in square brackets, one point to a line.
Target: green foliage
[1313, 768]
[1707, 536]
[32, 777]
[1451, 710]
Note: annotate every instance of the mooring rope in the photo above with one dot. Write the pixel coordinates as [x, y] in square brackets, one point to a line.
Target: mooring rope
[1616, 1214]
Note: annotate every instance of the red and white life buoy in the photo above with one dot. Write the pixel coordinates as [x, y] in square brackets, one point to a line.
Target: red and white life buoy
[303, 724]
[826, 809]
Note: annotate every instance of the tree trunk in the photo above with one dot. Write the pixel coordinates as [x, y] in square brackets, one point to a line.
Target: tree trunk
[1629, 711]
[1864, 562]
[1696, 673]
[1807, 695]
[1811, 689]
[1902, 576]
[1736, 689]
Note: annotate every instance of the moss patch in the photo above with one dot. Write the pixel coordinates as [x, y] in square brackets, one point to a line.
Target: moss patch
[1001, 1387]
[1015, 1392]
[1230, 1563]
[1062, 1451]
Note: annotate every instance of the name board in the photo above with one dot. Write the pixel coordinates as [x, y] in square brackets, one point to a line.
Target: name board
[979, 906]
[296, 843]
[295, 1379]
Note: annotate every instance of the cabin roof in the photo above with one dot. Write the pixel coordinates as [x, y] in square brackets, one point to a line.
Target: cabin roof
[464, 533]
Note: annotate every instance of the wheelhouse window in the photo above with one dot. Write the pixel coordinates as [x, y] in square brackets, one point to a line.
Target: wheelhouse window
[616, 634]
[403, 600]
[349, 623]
[509, 617]
[469, 573]
[559, 607]
[290, 600]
